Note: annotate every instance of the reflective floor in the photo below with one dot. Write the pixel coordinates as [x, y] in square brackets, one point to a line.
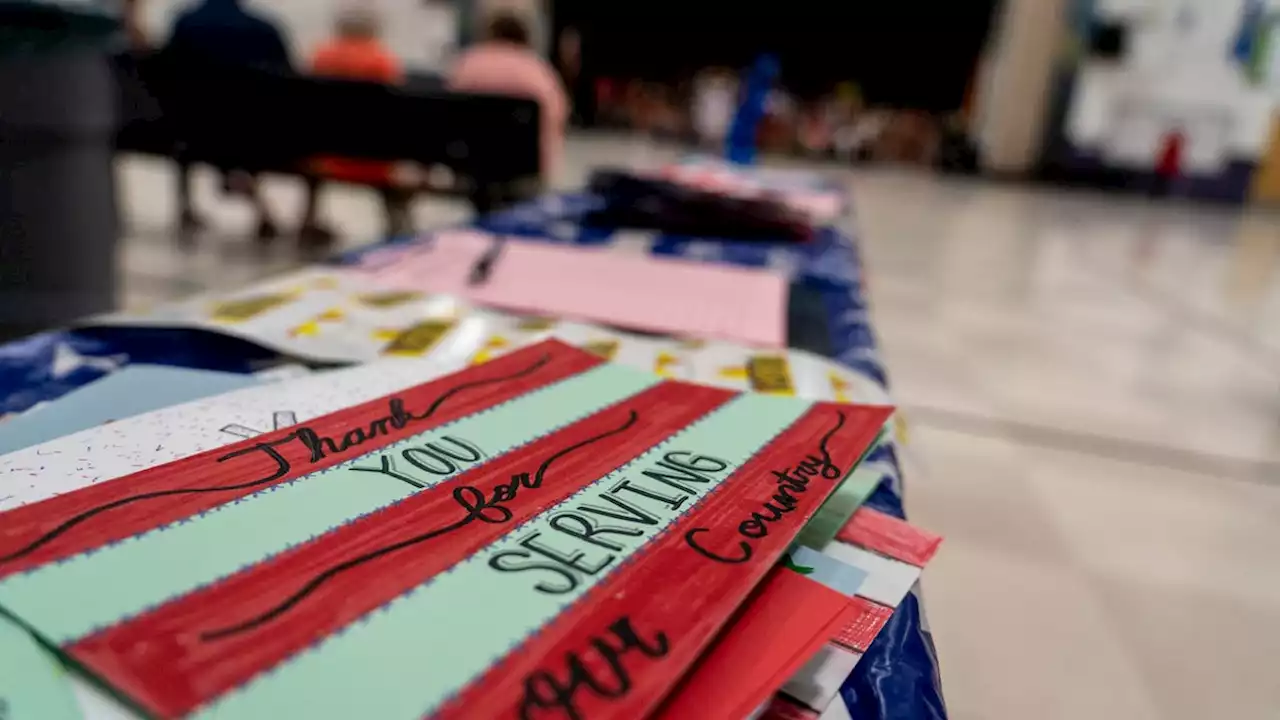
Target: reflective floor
[1092, 387]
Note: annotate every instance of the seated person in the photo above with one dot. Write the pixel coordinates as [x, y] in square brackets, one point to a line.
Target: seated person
[223, 31]
[356, 53]
[505, 64]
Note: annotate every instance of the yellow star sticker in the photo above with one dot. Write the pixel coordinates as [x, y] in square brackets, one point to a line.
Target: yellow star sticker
[333, 314]
[485, 354]
[663, 363]
[841, 387]
[311, 328]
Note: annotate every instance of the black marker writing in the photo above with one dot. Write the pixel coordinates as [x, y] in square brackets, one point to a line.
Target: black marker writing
[317, 444]
[433, 458]
[480, 507]
[791, 484]
[544, 690]
[570, 551]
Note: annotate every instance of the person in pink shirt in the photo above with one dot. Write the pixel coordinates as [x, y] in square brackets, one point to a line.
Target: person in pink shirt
[505, 64]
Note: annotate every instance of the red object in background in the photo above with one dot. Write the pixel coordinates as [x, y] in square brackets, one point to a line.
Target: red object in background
[1169, 159]
[606, 91]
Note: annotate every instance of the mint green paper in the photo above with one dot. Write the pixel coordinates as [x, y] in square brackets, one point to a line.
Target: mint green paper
[133, 575]
[33, 686]
[405, 659]
[844, 502]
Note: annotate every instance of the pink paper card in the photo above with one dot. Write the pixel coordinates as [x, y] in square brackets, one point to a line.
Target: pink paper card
[661, 295]
[440, 265]
[668, 296]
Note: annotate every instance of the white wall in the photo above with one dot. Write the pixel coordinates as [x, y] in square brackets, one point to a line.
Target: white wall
[1186, 77]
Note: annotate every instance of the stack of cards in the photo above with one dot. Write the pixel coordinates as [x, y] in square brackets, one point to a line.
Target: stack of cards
[545, 534]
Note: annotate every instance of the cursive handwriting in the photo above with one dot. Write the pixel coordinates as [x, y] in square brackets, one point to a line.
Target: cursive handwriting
[397, 417]
[791, 483]
[318, 445]
[479, 506]
[543, 690]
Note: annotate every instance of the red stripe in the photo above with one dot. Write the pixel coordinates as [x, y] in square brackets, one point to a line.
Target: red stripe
[868, 619]
[167, 660]
[889, 536]
[69, 524]
[672, 626]
[786, 621]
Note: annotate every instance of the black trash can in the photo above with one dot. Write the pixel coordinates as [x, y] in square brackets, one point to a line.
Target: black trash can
[58, 217]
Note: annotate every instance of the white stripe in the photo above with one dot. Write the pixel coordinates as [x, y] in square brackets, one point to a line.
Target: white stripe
[819, 681]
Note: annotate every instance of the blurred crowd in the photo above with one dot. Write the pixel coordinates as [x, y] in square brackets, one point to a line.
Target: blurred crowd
[501, 57]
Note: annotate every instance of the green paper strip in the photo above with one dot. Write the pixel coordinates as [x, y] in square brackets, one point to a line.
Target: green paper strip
[450, 629]
[33, 686]
[183, 556]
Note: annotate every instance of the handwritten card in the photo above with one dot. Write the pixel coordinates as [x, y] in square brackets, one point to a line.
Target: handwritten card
[519, 513]
[795, 611]
[892, 553]
[808, 624]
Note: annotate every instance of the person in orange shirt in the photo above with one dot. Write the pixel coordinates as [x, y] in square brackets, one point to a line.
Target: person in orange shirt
[356, 52]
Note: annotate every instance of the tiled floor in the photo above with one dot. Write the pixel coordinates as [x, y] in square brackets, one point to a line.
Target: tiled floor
[1093, 390]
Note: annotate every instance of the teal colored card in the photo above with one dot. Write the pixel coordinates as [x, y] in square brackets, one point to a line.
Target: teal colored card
[130, 391]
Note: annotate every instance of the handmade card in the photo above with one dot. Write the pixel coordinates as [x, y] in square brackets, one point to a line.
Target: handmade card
[892, 553]
[542, 535]
[800, 606]
[807, 625]
[329, 315]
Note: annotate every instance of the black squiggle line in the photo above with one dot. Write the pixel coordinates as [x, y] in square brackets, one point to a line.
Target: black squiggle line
[546, 358]
[330, 573]
[283, 467]
[822, 444]
[632, 417]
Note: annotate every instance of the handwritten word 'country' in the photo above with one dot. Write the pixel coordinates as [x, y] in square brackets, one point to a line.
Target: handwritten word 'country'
[792, 484]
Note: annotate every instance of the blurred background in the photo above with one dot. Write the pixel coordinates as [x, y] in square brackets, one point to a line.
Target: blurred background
[1066, 209]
